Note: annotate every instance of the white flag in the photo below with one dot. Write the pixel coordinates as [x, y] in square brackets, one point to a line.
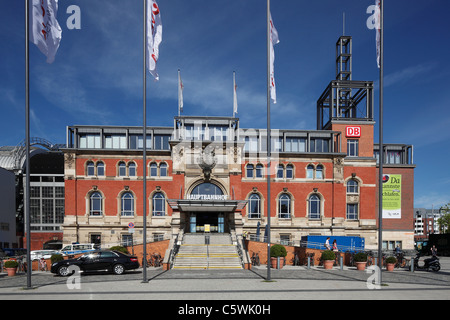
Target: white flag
[180, 93]
[378, 29]
[44, 29]
[154, 36]
[235, 106]
[273, 40]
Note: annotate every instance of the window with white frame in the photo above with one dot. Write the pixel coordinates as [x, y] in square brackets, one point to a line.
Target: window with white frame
[159, 205]
[289, 171]
[127, 205]
[96, 204]
[254, 206]
[122, 169]
[352, 147]
[314, 207]
[132, 169]
[284, 206]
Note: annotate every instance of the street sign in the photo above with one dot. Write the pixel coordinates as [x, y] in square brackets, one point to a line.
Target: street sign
[131, 225]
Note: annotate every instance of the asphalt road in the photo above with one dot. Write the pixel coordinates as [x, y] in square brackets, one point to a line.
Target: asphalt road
[290, 283]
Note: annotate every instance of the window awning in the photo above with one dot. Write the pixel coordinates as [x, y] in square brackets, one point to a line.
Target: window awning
[206, 205]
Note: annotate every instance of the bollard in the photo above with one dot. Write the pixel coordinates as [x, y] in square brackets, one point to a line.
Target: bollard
[309, 262]
[412, 265]
[341, 264]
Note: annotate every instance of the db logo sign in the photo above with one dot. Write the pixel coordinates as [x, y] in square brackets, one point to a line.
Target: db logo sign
[354, 132]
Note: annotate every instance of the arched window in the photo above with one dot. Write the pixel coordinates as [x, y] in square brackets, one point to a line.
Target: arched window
[280, 171]
[250, 169]
[96, 204]
[159, 205]
[310, 172]
[284, 206]
[132, 169]
[259, 170]
[289, 171]
[153, 169]
[352, 186]
[254, 206]
[90, 168]
[205, 189]
[319, 172]
[163, 169]
[100, 169]
[122, 169]
[314, 207]
[127, 204]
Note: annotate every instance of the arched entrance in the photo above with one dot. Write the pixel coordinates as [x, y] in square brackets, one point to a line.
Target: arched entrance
[207, 220]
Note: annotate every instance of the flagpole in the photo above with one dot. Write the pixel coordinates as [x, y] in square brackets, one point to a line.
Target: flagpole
[27, 141]
[381, 156]
[268, 141]
[144, 166]
[234, 94]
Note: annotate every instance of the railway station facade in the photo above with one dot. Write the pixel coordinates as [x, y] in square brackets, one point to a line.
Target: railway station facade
[207, 174]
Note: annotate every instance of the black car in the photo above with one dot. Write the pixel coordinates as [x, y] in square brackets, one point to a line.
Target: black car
[101, 260]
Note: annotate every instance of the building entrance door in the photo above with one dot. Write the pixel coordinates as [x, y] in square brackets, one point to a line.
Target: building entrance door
[206, 222]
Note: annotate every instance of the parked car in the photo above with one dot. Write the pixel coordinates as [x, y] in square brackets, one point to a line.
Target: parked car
[46, 254]
[101, 260]
[77, 248]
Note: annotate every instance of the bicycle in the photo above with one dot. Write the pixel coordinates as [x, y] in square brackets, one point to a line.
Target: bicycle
[42, 265]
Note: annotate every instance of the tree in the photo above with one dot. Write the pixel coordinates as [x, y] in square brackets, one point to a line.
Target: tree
[444, 221]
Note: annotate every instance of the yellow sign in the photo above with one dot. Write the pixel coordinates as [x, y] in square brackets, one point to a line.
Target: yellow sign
[207, 228]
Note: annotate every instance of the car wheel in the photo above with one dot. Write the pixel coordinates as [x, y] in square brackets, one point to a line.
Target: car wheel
[63, 271]
[118, 269]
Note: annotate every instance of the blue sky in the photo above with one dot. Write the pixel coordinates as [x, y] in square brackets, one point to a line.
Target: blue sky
[97, 75]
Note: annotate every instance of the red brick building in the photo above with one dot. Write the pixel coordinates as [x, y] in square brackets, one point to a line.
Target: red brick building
[209, 174]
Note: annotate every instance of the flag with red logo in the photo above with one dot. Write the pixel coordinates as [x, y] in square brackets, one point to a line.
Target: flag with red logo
[154, 36]
[273, 41]
[45, 31]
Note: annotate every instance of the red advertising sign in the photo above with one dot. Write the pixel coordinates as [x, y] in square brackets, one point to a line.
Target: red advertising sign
[353, 132]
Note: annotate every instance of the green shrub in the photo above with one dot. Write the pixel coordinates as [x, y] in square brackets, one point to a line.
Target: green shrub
[56, 257]
[120, 249]
[360, 257]
[328, 255]
[11, 264]
[391, 260]
[277, 250]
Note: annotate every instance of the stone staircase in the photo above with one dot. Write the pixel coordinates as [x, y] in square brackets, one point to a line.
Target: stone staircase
[219, 253]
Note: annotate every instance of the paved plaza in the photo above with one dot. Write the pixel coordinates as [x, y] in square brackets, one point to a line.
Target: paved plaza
[290, 283]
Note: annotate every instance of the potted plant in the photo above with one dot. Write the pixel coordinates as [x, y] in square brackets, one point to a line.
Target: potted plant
[361, 260]
[11, 267]
[277, 254]
[328, 258]
[390, 263]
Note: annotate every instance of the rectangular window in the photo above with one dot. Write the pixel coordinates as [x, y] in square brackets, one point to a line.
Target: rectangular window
[162, 142]
[136, 141]
[90, 141]
[295, 145]
[118, 141]
[319, 145]
[251, 144]
[352, 211]
[352, 147]
[127, 240]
